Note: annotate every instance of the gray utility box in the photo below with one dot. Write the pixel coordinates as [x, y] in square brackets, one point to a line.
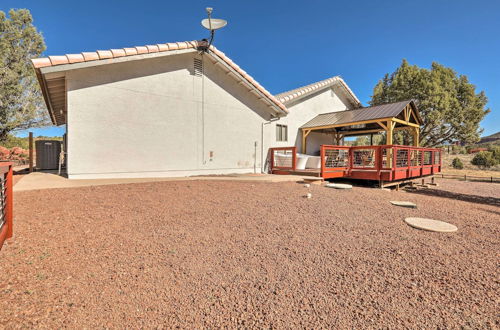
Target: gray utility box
[47, 154]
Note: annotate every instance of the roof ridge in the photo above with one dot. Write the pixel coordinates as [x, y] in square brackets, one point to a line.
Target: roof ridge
[294, 93]
[312, 85]
[114, 53]
[298, 93]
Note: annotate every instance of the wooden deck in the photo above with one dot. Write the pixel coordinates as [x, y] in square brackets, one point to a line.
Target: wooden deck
[388, 163]
[306, 172]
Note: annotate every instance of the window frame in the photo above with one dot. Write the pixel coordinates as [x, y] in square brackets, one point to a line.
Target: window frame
[281, 133]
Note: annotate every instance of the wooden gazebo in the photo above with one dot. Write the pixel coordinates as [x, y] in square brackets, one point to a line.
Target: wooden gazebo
[385, 163]
[371, 120]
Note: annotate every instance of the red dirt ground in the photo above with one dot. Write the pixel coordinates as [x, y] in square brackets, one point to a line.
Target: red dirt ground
[246, 254]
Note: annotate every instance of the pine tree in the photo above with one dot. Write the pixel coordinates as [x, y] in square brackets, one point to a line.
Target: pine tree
[21, 102]
[448, 103]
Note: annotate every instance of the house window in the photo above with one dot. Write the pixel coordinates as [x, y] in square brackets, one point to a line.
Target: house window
[281, 132]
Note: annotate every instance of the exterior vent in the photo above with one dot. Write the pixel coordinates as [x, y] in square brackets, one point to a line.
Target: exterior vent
[198, 67]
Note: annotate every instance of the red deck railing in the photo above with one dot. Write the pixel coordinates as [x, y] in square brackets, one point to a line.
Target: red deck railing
[283, 159]
[5, 202]
[385, 163]
[335, 161]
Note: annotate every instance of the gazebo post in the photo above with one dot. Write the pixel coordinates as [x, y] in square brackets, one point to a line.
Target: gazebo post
[305, 133]
[416, 136]
[389, 131]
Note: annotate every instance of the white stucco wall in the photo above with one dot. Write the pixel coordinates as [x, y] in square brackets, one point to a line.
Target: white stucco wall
[306, 109]
[147, 119]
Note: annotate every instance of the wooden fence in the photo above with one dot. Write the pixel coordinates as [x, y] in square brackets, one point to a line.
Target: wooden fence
[466, 177]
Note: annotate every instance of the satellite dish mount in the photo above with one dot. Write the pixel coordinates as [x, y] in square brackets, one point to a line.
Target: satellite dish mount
[212, 24]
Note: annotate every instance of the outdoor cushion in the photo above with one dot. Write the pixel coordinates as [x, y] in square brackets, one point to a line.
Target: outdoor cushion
[301, 162]
[313, 162]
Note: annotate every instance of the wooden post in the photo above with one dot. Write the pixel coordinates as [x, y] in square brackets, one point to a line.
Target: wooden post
[305, 133]
[339, 138]
[389, 132]
[390, 155]
[416, 136]
[30, 142]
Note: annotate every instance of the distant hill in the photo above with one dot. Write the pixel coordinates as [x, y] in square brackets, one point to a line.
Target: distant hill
[493, 139]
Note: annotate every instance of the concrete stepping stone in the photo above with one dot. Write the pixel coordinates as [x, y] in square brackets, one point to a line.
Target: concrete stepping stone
[338, 185]
[404, 204]
[431, 225]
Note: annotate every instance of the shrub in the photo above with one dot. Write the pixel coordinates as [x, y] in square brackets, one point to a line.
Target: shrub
[457, 163]
[495, 150]
[484, 159]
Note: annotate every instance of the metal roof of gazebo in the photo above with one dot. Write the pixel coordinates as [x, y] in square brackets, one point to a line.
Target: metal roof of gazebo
[369, 120]
[347, 117]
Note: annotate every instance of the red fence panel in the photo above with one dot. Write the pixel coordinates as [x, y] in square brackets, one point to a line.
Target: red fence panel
[365, 157]
[283, 158]
[5, 202]
[335, 161]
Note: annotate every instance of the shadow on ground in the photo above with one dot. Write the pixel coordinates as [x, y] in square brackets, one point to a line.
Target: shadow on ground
[486, 200]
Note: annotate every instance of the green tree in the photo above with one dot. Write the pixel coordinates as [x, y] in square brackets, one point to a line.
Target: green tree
[21, 102]
[495, 150]
[361, 141]
[449, 105]
[457, 163]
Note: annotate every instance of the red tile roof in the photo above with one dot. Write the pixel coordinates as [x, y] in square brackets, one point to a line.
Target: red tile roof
[300, 92]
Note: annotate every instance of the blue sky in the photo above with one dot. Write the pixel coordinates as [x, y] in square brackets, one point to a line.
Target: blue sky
[286, 44]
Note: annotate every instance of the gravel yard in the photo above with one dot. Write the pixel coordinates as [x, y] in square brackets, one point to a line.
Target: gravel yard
[249, 254]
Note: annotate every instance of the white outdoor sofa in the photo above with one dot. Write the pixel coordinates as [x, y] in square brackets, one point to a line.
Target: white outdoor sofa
[302, 162]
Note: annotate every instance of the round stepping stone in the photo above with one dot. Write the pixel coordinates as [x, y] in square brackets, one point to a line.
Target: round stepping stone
[338, 186]
[431, 225]
[404, 204]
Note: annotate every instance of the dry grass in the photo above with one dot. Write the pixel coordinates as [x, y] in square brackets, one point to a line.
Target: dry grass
[469, 169]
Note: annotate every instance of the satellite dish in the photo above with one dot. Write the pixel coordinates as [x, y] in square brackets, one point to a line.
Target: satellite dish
[213, 23]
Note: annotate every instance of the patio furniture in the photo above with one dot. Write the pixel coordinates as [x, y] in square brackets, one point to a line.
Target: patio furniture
[301, 161]
[313, 162]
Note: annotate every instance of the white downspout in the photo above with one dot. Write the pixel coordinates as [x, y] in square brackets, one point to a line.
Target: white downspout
[262, 163]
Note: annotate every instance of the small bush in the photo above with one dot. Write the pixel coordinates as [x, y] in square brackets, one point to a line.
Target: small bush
[457, 163]
[495, 150]
[484, 159]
